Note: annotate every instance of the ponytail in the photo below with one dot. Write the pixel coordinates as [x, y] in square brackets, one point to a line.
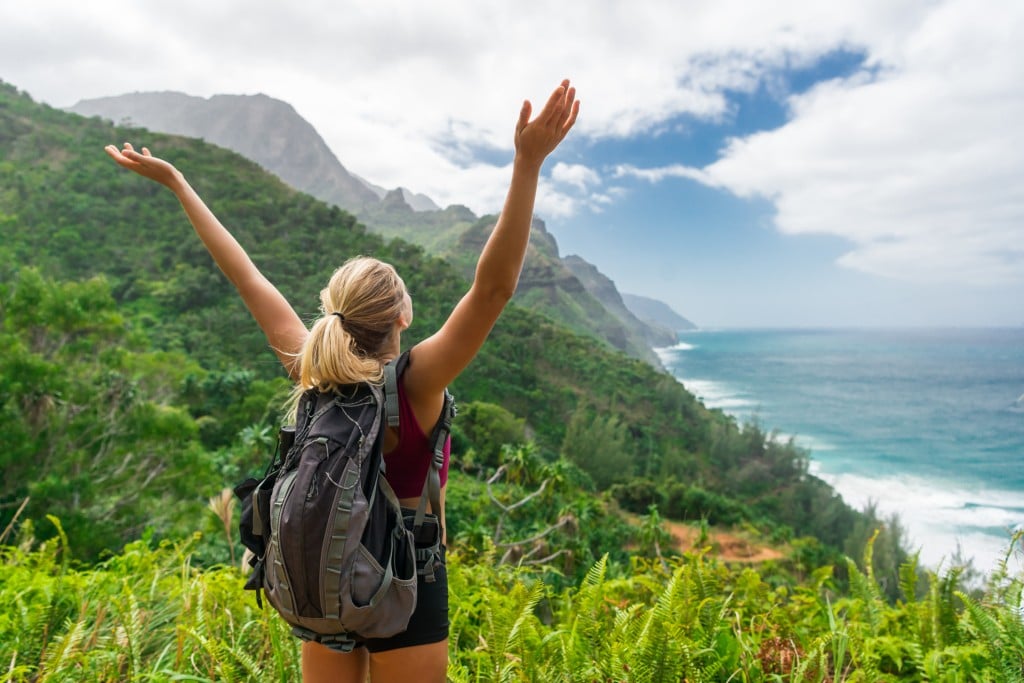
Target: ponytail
[331, 358]
[360, 307]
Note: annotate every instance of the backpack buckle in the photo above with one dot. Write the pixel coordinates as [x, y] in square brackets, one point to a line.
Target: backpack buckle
[339, 642]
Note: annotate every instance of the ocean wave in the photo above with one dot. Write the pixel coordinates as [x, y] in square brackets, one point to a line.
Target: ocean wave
[719, 395]
[894, 453]
[810, 443]
[941, 518]
[667, 354]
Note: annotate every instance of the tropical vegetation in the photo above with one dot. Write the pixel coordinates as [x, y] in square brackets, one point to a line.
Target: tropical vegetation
[135, 391]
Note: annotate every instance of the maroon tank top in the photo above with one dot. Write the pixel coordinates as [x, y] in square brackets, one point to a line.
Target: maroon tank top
[408, 463]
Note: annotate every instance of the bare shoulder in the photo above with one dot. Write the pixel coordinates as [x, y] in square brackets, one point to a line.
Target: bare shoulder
[425, 399]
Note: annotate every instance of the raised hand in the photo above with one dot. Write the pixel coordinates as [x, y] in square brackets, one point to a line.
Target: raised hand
[145, 164]
[537, 138]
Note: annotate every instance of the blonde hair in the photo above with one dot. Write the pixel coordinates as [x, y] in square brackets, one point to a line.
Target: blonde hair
[358, 310]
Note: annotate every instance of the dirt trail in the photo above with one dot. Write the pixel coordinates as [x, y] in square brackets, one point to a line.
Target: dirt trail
[724, 544]
[727, 545]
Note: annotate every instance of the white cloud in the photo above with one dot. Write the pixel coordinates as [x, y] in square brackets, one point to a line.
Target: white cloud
[576, 175]
[384, 81]
[918, 164]
[921, 167]
[656, 175]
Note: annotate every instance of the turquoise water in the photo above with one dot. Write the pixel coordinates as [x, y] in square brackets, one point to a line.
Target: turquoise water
[928, 424]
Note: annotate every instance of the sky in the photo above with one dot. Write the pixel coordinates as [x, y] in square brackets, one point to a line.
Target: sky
[753, 164]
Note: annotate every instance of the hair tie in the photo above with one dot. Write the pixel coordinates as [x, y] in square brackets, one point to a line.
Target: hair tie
[340, 316]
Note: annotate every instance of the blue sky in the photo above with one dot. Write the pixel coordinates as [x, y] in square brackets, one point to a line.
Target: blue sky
[720, 252]
[795, 163]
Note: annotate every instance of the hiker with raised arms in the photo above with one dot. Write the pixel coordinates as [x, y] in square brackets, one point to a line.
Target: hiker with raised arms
[365, 307]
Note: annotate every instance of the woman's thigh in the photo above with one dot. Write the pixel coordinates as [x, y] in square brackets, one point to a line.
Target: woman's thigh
[323, 665]
[421, 663]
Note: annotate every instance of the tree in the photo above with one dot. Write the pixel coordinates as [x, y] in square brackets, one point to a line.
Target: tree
[95, 437]
[599, 444]
[487, 427]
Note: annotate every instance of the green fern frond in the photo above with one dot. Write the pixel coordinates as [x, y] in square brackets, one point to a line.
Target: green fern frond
[908, 578]
[515, 640]
[866, 592]
[595, 575]
[1005, 649]
[216, 656]
[131, 627]
[813, 666]
[63, 654]
[945, 622]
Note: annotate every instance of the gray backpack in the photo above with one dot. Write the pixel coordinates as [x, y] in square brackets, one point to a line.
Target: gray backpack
[331, 547]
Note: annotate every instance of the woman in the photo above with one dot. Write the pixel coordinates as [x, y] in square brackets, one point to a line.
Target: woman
[365, 308]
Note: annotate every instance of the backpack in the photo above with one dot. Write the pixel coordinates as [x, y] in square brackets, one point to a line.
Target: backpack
[332, 549]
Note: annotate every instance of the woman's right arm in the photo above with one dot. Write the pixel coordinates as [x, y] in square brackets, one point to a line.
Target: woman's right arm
[275, 316]
[440, 358]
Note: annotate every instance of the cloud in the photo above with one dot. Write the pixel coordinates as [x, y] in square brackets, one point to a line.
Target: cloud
[383, 82]
[918, 163]
[576, 175]
[656, 175]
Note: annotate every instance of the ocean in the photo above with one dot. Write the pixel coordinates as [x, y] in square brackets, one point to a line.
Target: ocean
[925, 423]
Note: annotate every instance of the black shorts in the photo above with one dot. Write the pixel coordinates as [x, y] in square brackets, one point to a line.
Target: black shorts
[429, 622]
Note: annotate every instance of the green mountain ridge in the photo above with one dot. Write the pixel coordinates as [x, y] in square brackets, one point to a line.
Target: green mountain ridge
[649, 330]
[185, 346]
[273, 134]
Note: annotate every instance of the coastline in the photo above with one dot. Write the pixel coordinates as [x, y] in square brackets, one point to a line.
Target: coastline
[946, 515]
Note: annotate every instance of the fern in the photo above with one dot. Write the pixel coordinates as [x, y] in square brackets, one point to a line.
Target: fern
[944, 619]
[516, 644]
[864, 587]
[814, 665]
[1004, 642]
[63, 654]
[908, 578]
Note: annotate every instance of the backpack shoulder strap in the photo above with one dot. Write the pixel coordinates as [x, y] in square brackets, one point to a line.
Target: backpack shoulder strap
[392, 371]
[432, 485]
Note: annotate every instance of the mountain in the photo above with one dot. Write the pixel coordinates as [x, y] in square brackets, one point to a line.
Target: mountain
[261, 128]
[416, 200]
[126, 353]
[549, 286]
[271, 133]
[646, 332]
[657, 314]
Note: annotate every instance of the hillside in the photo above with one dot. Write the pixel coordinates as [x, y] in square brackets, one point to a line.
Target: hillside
[274, 135]
[129, 359]
[649, 331]
[134, 391]
[550, 287]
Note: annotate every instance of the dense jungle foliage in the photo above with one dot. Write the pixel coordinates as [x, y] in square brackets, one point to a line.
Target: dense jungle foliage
[134, 389]
[148, 614]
